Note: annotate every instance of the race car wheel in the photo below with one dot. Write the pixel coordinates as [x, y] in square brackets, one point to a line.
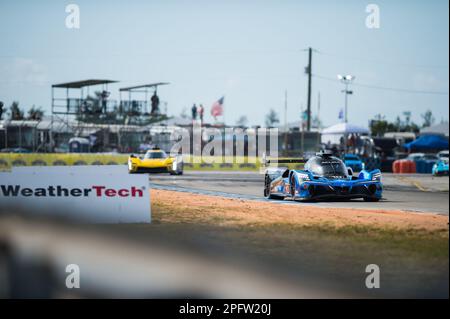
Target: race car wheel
[371, 199]
[276, 197]
[292, 186]
[266, 187]
[267, 193]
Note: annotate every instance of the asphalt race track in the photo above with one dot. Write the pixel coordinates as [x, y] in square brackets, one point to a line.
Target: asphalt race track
[413, 193]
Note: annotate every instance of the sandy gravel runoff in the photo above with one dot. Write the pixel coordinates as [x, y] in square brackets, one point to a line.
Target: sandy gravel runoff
[195, 208]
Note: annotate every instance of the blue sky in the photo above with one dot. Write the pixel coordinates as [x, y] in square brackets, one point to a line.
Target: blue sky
[249, 51]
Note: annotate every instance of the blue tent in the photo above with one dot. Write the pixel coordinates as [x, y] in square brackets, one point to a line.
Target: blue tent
[428, 143]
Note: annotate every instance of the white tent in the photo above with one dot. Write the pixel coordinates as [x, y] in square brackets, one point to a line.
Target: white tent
[439, 129]
[345, 128]
[334, 133]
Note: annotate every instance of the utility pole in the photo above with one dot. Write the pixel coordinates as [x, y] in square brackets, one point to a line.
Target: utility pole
[285, 124]
[309, 71]
[302, 134]
[318, 118]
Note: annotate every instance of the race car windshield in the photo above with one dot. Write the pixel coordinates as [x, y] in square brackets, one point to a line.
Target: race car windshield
[327, 166]
[155, 155]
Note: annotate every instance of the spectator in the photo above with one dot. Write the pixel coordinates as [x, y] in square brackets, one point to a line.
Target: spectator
[194, 112]
[155, 104]
[200, 112]
[104, 97]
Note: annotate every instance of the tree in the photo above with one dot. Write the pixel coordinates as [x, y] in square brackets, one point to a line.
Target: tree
[35, 113]
[15, 112]
[272, 118]
[379, 125]
[1, 110]
[242, 121]
[428, 118]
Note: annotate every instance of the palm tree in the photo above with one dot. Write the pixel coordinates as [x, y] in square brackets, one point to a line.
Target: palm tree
[15, 112]
[35, 113]
[272, 118]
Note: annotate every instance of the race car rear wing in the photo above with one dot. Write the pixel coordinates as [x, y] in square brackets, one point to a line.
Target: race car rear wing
[281, 160]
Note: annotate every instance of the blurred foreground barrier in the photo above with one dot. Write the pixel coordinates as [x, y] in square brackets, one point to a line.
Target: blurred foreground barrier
[88, 193]
[38, 255]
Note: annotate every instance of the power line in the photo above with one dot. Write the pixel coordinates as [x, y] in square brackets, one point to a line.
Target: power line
[391, 63]
[377, 87]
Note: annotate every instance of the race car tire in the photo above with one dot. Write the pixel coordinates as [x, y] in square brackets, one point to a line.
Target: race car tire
[371, 199]
[276, 197]
[267, 195]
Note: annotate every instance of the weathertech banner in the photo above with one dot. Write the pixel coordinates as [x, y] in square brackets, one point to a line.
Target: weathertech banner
[80, 192]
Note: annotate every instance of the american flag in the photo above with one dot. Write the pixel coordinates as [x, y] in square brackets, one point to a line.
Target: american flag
[217, 107]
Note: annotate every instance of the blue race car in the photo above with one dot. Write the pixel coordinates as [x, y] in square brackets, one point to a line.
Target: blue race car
[323, 177]
[440, 168]
[353, 161]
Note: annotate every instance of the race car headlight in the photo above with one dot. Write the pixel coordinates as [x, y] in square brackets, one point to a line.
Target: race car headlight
[376, 177]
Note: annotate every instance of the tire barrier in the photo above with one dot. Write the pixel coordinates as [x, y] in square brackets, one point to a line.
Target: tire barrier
[404, 167]
[59, 163]
[7, 160]
[247, 165]
[424, 167]
[3, 163]
[19, 163]
[38, 163]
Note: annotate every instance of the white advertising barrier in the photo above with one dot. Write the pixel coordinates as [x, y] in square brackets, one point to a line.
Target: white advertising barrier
[87, 193]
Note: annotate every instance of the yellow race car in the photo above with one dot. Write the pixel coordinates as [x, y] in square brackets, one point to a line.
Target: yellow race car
[155, 161]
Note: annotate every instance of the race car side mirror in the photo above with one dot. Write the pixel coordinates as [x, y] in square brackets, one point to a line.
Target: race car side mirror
[132, 155]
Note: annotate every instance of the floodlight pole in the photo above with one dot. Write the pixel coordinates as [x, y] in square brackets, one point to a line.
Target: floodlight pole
[346, 103]
[347, 79]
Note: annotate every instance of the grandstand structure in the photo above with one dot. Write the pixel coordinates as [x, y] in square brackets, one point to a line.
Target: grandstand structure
[85, 109]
